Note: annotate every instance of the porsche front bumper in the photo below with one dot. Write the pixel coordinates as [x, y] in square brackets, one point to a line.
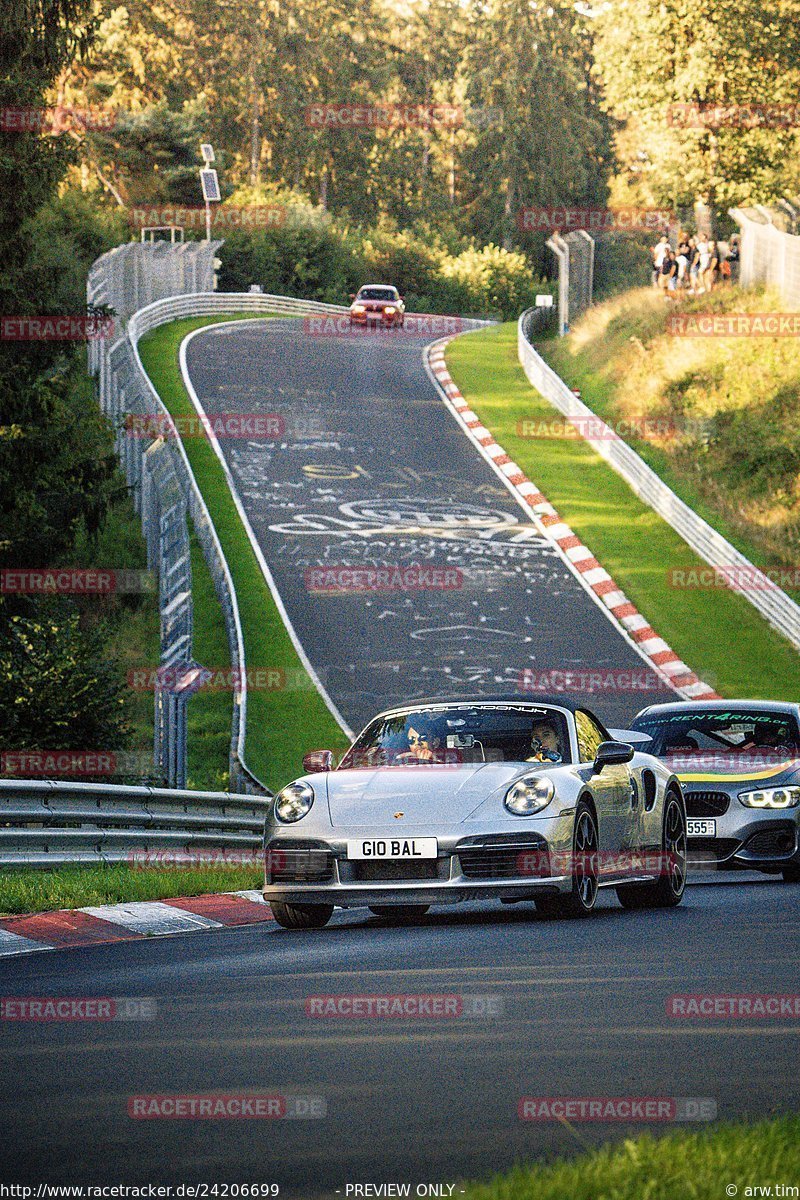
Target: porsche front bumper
[482, 866]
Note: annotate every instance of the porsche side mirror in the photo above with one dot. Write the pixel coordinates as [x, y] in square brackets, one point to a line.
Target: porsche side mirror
[611, 754]
[317, 760]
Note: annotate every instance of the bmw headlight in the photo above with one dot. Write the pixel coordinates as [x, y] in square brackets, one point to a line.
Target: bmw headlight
[784, 797]
[529, 795]
[390, 309]
[358, 308]
[293, 802]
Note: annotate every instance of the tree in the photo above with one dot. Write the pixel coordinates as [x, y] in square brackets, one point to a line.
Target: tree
[58, 691]
[701, 53]
[530, 63]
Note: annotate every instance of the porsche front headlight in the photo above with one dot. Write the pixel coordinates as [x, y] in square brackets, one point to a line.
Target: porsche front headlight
[783, 797]
[293, 802]
[529, 795]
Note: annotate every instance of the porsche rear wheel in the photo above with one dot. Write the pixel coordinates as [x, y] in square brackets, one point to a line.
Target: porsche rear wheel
[301, 916]
[580, 901]
[669, 888]
[400, 912]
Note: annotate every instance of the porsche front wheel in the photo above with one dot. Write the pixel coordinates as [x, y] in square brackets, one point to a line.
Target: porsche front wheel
[580, 900]
[668, 890]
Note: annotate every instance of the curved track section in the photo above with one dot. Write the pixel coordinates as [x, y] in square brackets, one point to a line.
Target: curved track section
[405, 567]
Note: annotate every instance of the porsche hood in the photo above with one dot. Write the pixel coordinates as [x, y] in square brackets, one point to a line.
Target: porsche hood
[428, 795]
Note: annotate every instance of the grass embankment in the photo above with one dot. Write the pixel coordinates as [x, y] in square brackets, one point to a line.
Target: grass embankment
[75, 887]
[691, 1165]
[715, 417]
[284, 722]
[719, 634]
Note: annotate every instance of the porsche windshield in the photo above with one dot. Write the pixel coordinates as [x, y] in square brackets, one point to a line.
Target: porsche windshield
[462, 734]
[735, 738]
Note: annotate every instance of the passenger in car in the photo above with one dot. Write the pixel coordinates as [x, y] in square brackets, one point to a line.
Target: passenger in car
[545, 744]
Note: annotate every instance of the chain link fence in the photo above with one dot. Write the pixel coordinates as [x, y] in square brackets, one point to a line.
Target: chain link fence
[138, 281]
[770, 256]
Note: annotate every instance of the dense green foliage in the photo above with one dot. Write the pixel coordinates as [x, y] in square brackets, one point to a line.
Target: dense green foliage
[314, 255]
[58, 478]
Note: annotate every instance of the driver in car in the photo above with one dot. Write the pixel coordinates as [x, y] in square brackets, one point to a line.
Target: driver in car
[545, 745]
[769, 738]
[422, 742]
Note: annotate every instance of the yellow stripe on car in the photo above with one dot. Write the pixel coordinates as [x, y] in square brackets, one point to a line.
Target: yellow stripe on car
[740, 777]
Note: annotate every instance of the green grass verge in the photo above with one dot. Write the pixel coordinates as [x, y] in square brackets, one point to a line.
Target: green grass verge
[27, 891]
[282, 723]
[689, 1165]
[719, 634]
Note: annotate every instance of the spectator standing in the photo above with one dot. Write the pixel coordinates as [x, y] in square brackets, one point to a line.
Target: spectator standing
[683, 260]
[694, 265]
[658, 251]
[734, 252]
[702, 266]
[711, 275]
[669, 269]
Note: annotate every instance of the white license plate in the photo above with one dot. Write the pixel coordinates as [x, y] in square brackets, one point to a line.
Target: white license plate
[700, 827]
[426, 847]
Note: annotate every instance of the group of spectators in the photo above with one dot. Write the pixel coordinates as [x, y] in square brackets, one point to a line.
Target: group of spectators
[698, 265]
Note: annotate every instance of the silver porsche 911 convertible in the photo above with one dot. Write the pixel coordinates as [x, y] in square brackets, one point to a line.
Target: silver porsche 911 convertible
[502, 798]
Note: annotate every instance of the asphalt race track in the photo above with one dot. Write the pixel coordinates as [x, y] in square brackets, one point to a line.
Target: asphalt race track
[582, 1013]
[370, 469]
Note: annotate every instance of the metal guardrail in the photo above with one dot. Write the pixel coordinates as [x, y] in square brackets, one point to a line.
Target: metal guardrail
[48, 824]
[771, 602]
[158, 472]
